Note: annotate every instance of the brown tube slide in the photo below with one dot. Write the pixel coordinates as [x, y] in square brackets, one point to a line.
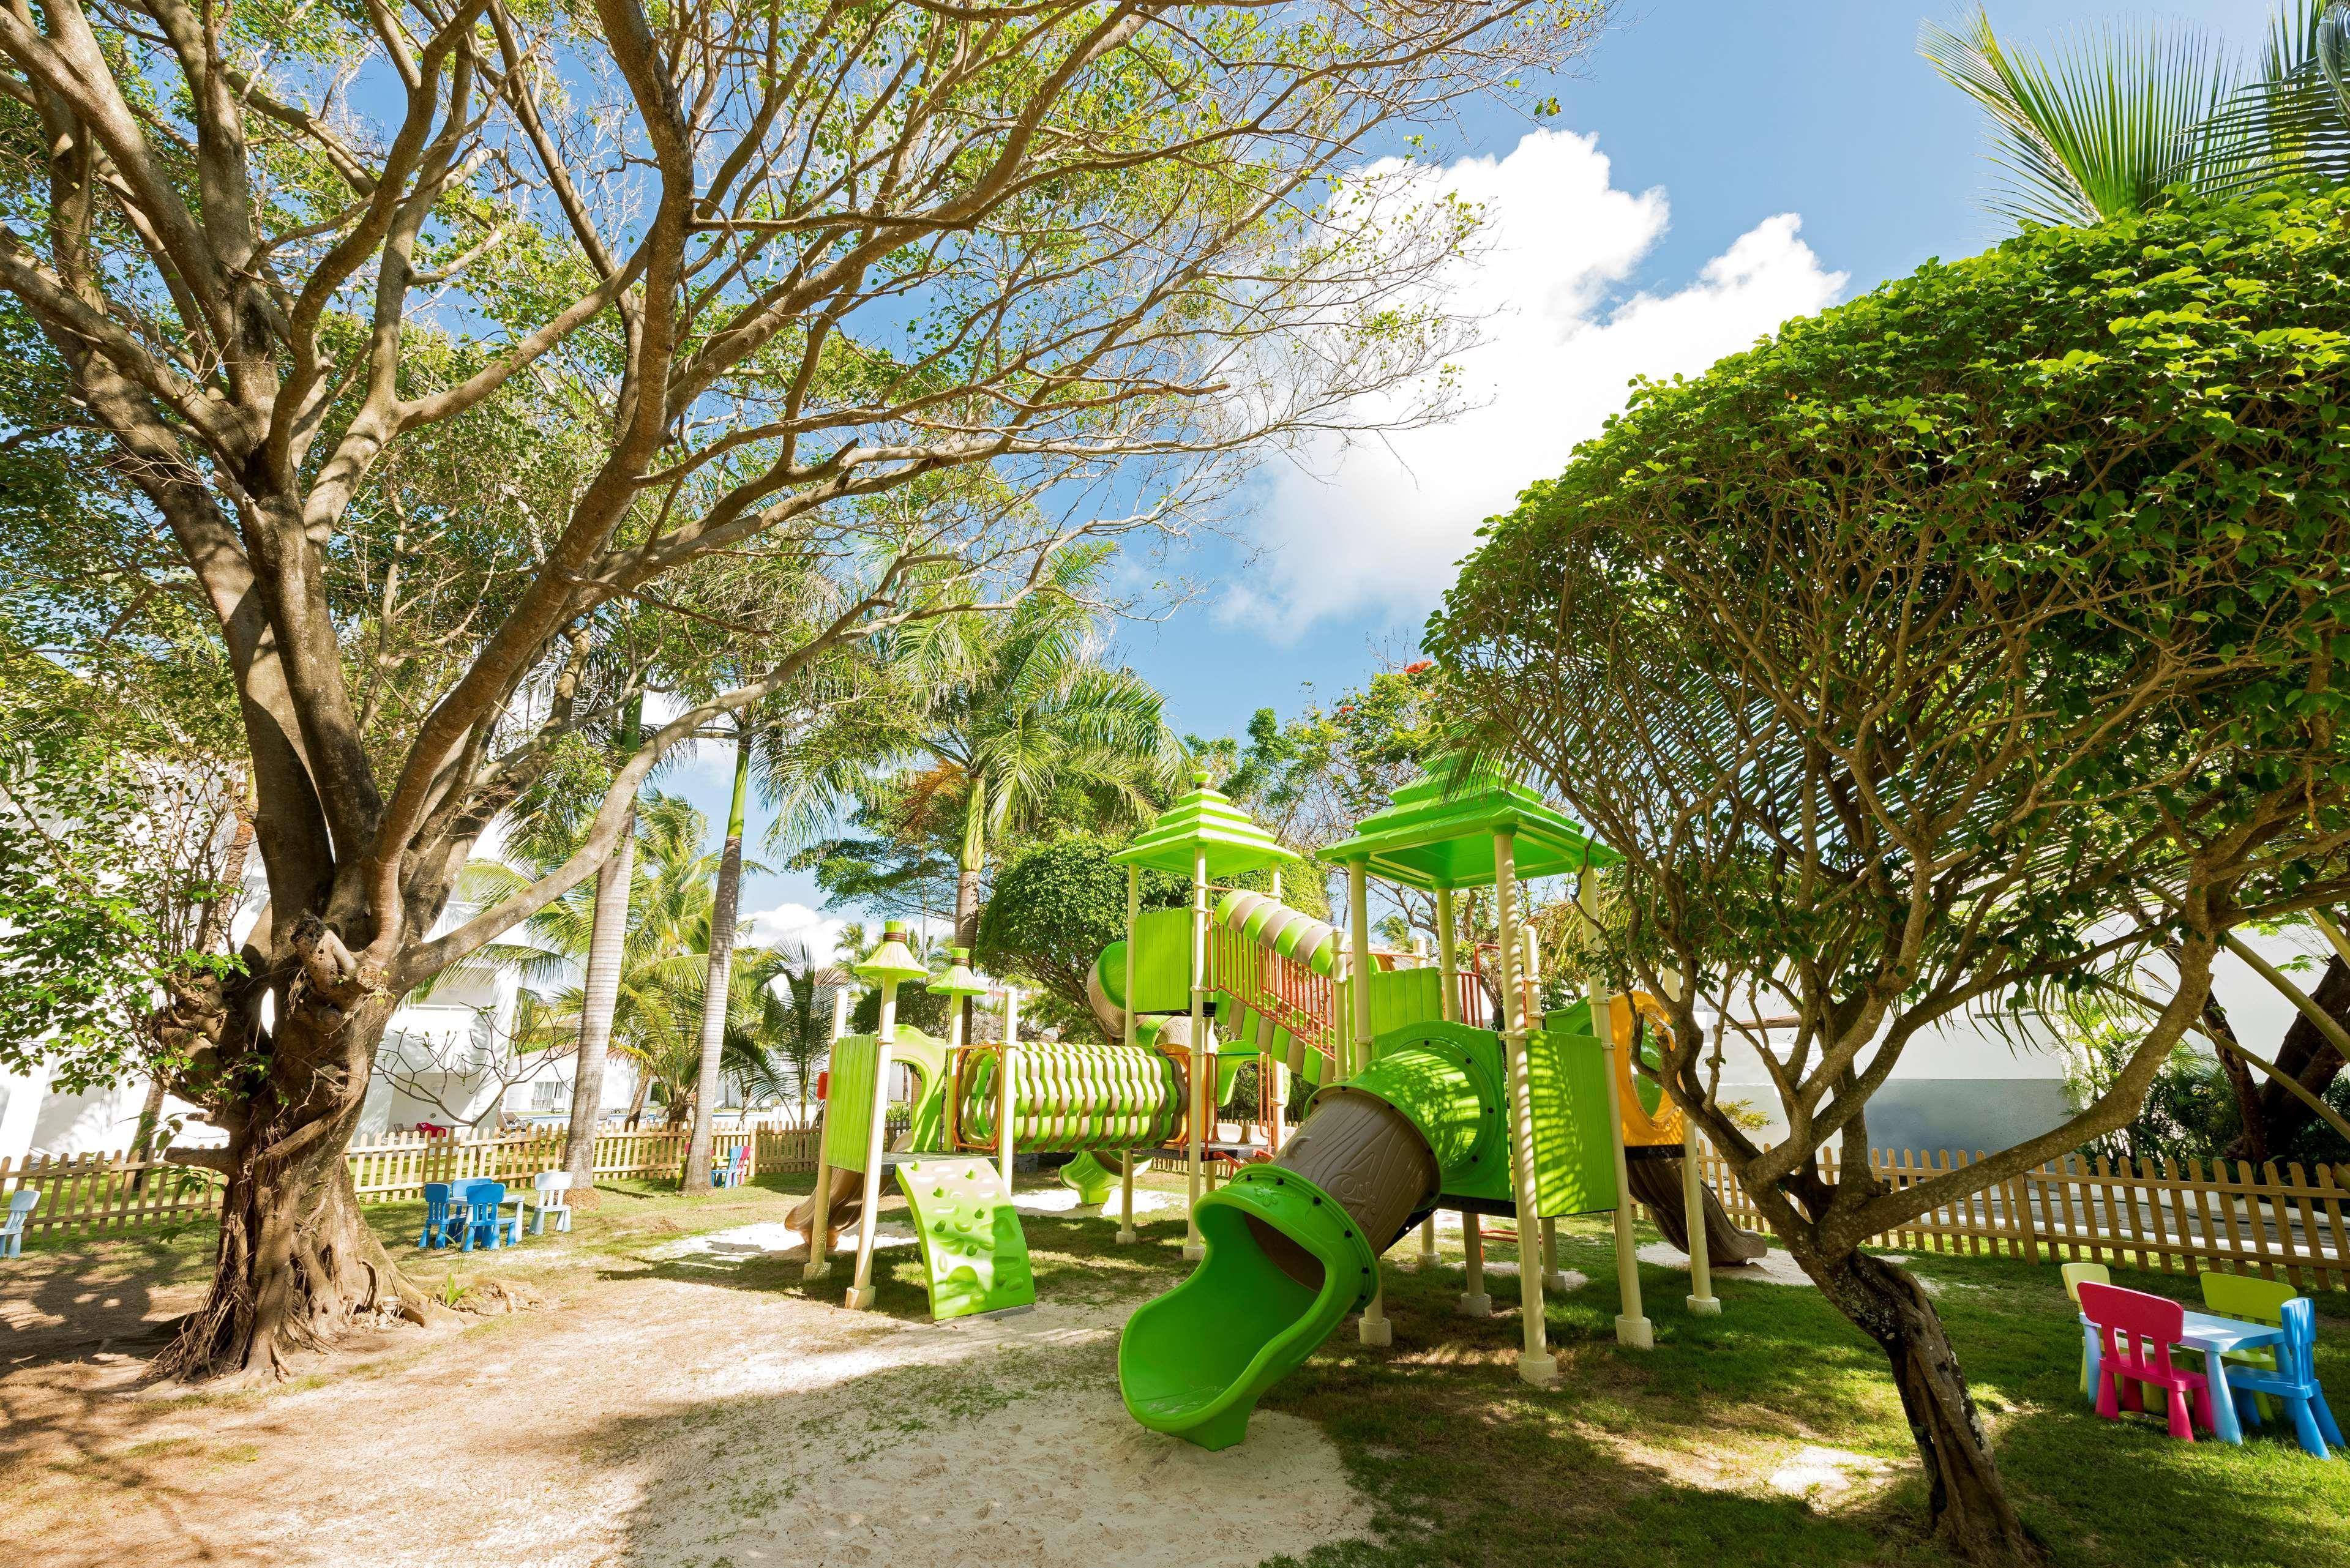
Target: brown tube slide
[1366, 1155]
[1658, 1183]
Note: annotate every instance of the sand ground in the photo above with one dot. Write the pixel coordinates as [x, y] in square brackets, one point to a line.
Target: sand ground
[658, 1408]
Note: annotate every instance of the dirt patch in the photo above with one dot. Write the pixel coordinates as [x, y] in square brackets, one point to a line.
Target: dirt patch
[640, 1420]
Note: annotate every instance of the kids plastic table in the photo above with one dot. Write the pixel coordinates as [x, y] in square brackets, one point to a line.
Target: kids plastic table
[2214, 1336]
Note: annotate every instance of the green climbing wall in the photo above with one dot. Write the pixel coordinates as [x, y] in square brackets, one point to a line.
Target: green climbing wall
[974, 1254]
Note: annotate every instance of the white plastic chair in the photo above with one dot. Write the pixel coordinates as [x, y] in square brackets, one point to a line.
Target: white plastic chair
[550, 1194]
[21, 1204]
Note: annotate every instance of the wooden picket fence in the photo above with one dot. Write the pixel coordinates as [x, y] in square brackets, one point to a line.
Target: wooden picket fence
[104, 1192]
[107, 1192]
[2166, 1216]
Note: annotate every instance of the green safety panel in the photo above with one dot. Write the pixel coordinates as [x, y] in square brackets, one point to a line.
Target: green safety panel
[1401, 997]
[848, 1098]
[1162, 962]
[1576, 1020]
[974, 1254]
[1574, 1162]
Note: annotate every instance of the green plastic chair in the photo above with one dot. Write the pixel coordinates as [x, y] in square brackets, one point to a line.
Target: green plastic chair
[2076, 1275]
[2253, 1300]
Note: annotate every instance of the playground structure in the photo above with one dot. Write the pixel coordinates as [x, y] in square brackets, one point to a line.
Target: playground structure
[1425, 1097]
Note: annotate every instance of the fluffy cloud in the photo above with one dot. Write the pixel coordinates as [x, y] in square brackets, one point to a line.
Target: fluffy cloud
[1374, 527]
[794, 923]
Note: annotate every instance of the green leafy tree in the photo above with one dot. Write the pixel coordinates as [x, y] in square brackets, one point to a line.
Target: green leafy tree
[2121, 125]
[1089, 258]
[1972, 643]
[1056, 907]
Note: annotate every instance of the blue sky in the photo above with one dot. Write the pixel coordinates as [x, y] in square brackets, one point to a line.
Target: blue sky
[1715, 167]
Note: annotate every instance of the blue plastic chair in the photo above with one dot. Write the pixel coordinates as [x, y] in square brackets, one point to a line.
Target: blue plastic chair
[486, 1220]
[2294, 1381]
[21, 1204]
[731, 1172]
[436, 1216]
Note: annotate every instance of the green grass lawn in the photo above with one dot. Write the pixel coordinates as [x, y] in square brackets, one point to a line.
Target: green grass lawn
[1655, 1459]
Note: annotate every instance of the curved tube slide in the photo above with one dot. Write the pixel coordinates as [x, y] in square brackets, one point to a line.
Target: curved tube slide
[1292, 1246]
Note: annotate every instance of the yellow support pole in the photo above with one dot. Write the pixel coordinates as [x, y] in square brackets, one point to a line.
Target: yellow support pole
[819, 1262]
[860, 1290]
[1447, 958]
[1004, 1101]
[1375, 1327]
[1475, 1301]
[1535, 1364]
[1632, 1325]
[1193, 1250]
[1702, 1302]
[1133, 918]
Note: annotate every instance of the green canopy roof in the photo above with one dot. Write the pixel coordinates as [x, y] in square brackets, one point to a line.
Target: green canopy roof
[959, 981]
[1440, 831]
[1204, 820]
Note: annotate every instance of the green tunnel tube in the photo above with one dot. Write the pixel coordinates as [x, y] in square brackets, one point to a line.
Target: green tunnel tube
[1293, 1246]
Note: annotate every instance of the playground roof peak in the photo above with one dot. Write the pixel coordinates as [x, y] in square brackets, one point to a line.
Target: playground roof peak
[959, 981]
[1440, 831]
[891, 960]
[1204, 820]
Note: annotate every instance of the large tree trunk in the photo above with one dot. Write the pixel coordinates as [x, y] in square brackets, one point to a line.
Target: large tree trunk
[724, 903]
[1966, 1501]
[600, 994]
[296, 1265]
[2273, 1115]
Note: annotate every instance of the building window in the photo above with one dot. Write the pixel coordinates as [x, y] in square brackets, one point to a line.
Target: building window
[542, 1095]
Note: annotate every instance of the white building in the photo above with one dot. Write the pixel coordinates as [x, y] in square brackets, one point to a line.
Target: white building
[1964, 1085]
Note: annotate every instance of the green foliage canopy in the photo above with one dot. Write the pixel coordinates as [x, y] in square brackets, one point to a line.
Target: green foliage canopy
[1974, 638]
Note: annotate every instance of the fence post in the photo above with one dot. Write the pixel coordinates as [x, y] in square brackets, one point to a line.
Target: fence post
[2030, 1228]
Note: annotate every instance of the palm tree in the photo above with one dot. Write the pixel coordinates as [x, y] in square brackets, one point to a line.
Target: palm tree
[660, 953]
[2117, 123]
[710, 1039]
[793, 1024]
[1022, 707]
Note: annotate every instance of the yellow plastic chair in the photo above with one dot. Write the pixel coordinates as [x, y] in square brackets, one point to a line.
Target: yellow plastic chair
[2076, 1275]
[2253, 1300]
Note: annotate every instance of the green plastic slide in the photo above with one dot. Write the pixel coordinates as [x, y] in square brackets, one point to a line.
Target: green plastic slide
[1292, 1246]
[1194, 1362]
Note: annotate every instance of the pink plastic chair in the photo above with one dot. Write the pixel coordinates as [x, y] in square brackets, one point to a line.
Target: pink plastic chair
[2138, 1331]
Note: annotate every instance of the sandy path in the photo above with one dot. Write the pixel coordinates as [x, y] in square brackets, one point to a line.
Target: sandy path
[661, 1421]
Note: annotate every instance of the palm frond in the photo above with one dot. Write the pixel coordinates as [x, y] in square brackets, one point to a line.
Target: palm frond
[2293, 121]
[2099, 131]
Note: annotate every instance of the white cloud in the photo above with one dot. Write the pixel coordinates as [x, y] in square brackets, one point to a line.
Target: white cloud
[794, 923]
[1376, 528]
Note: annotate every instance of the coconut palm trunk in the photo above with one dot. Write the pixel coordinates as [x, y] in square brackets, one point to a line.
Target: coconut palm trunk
[967, 868]
[600, 994]
[722, 953]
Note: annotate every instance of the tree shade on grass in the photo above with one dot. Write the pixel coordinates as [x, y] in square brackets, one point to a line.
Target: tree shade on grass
[1967, 646]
